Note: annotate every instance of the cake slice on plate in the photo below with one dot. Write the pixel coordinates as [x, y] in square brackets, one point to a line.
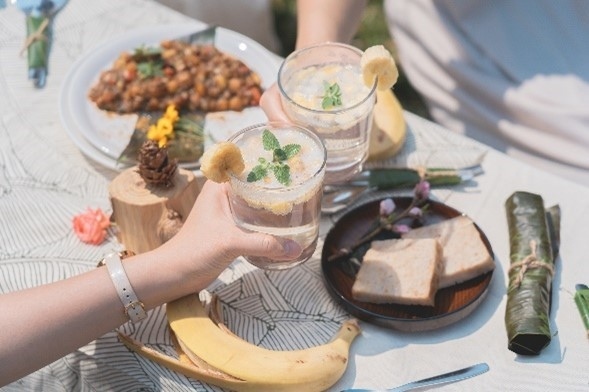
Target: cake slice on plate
[465, 255]
[400, 271]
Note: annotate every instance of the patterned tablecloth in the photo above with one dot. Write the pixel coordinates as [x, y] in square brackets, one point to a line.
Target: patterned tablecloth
[45, 180]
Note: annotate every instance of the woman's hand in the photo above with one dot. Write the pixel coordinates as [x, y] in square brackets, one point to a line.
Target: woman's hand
[209, 239]
[271, 104]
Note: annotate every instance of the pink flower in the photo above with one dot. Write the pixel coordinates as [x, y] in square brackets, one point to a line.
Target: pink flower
[422, 190]
[387, 206]
[401, 229]
[416, 212]
[91, 226]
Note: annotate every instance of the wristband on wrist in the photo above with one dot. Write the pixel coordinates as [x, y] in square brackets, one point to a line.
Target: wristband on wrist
[134, 308]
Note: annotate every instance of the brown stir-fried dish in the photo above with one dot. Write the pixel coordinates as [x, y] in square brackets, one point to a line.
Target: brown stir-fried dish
[192, 77]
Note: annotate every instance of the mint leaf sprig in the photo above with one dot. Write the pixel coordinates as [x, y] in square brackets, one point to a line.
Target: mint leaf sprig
[277, 165]
[332, 95]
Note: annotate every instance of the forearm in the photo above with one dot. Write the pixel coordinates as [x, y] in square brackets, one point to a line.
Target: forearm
[327, 20]
[44, 323]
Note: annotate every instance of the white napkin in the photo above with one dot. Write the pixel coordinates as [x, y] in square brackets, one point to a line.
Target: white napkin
[429, 145]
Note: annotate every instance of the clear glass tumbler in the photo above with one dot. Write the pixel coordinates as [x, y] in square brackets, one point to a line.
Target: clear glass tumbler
[304, 79]
[262, 200]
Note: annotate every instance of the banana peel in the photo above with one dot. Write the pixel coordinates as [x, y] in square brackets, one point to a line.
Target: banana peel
[210, 352]
[389, 130]
[183, 365]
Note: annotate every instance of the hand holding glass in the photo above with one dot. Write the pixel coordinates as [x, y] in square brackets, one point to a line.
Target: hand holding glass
[264, 199]
[321, 87]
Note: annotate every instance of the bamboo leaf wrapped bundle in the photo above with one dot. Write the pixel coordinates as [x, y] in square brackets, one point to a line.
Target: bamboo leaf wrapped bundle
[532, 254]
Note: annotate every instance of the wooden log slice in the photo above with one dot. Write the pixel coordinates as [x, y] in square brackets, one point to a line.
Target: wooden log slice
[147, 216]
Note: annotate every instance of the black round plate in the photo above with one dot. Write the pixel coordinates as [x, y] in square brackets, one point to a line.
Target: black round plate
[451, 304]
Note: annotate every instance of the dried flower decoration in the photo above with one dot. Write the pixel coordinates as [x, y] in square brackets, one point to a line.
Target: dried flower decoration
[389, 219]
[422, 189]
[387, 206]
[90, 226]
[163, 129]
[181, 133]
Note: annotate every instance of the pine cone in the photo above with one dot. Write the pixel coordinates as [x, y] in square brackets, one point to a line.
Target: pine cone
[155, 167]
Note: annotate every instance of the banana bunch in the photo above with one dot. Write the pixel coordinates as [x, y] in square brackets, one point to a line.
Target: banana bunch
[221, 159]
[209, 352]
[377, 62]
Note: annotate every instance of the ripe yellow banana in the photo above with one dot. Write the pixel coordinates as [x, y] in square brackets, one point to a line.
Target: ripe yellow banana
[247, 367]
[389, 130]
[221, 159]
[377, 62]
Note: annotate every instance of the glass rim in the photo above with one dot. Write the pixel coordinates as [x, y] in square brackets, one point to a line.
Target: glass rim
[283, 93]
[281, 124]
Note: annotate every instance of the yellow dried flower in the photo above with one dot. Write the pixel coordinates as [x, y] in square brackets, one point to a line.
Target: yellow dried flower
[172, 113]
[164, 128]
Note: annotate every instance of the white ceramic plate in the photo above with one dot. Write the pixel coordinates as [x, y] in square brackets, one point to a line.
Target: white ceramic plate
[102, 136]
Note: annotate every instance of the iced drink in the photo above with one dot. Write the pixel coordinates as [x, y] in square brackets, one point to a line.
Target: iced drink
[322, 88]
[263, 199]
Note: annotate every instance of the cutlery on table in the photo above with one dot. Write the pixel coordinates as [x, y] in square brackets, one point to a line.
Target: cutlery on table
[445, 378]
[384, 179]
[582, 301]
[39, 14]
[337, 197]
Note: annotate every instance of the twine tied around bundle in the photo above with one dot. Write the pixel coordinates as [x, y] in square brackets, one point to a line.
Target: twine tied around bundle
[37, 35]
[528, 262]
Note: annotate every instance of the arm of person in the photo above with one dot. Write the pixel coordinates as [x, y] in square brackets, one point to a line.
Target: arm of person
[317, 21]
[44, 323]
[327, 20]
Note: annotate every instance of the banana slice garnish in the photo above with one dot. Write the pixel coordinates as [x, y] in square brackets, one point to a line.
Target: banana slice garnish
[220, 160]
[377, 62]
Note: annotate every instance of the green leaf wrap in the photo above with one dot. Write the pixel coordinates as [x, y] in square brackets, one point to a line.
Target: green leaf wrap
[384, 179]
[527, 313]
[38, 50]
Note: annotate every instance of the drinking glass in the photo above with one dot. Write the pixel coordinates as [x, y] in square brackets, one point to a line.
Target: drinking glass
[289, 211]
[345, 129]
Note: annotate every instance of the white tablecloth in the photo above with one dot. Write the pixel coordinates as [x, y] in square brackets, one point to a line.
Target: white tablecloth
[45, 180]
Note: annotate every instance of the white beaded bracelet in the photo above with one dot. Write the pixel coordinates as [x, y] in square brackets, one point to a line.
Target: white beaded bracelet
[134, 308]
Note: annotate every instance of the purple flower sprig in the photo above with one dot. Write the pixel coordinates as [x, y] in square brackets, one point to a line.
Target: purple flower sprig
[389, 218]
